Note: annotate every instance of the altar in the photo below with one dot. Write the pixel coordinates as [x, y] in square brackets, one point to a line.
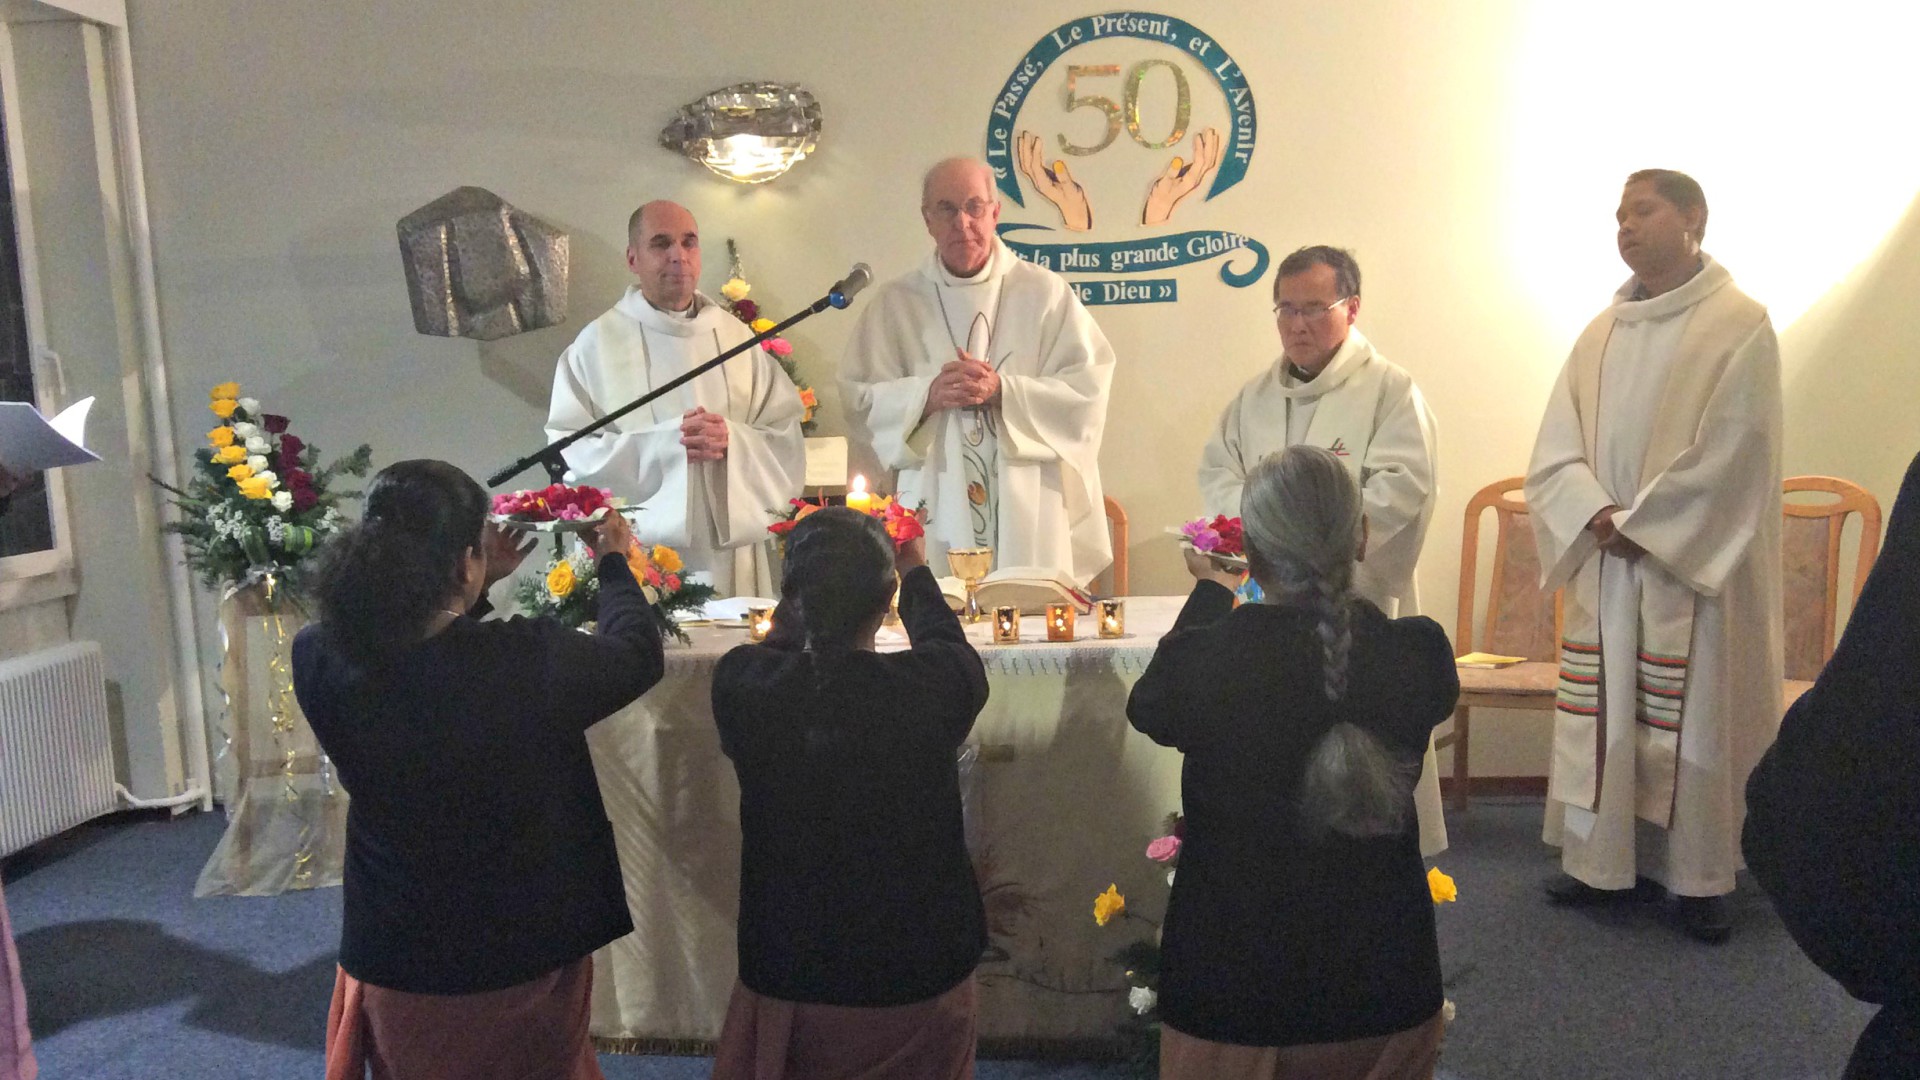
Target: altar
[1062, 798]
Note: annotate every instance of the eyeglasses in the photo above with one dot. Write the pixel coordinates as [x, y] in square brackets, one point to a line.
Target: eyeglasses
[1308, 314]
[947, 212]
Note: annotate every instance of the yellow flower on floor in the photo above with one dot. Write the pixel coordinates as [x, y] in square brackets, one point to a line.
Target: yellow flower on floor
[761, 325]
[735, 289]
[667, 559]
[223, 407]
[256, 488]
[560, 580]
[221, 436]
[1108, 904]
[231, 455]
[1441, 886]
[224, 390]
[241, 473]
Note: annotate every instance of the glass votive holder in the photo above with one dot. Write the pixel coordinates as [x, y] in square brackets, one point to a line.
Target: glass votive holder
[1113, 618]
[1006, 626]
[1060, 622]
[759, 623]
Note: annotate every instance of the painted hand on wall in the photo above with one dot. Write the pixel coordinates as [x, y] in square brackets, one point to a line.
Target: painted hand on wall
[1181, 179]
[1055, 184]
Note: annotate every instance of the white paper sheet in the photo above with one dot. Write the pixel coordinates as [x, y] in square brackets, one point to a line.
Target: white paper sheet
[29, 442]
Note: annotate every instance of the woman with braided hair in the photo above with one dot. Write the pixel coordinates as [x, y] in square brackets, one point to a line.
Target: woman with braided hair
[1299, 939]
[860, 919]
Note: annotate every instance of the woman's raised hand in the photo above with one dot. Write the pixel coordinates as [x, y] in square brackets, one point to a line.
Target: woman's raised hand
[612, 536]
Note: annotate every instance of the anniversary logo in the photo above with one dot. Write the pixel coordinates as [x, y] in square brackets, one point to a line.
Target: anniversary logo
[1015, 150]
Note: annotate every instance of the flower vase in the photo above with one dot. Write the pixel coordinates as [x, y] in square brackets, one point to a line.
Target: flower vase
[286, 810]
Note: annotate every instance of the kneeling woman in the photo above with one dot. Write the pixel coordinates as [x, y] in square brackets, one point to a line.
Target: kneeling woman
[1299, 939]
[480, 866]
[860, 920]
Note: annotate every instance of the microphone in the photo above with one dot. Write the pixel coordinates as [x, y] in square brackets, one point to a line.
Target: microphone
[844, 290]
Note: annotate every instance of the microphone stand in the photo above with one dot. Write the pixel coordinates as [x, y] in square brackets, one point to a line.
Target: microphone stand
[550, 455]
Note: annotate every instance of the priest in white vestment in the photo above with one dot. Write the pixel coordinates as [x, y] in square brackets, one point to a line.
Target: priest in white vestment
[981, 380]
[1655, 498]
[1330, 389]
[710, 462]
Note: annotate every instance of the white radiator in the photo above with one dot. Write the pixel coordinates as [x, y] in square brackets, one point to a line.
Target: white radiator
[56, 757]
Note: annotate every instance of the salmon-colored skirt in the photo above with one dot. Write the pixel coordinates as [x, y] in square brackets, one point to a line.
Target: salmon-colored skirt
[536, 1030]
[16, 1046]
[1405, 1055]
[769, 1039]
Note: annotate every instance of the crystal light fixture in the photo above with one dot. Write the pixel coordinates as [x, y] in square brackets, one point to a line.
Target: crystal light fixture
[748, 132]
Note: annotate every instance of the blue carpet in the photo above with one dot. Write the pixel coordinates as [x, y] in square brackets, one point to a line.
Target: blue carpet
[130, 978]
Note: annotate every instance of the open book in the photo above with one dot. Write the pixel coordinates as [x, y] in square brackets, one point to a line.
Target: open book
[1029, 588]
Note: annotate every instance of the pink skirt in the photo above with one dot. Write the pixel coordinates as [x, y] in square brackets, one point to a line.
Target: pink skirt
[536, 1030]
[16, 1045]
[769, 1039]
[1404, 1055]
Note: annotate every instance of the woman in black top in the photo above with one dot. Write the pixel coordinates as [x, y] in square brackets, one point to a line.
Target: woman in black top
[1299, 937]
[1833, 809]
[860, 920]
[480, 867]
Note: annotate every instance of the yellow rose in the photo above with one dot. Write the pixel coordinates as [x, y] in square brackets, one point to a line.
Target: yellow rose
[241, 473]
[761, 325]
[223, 407]
[1441, 886]
[221, 436]
[667, 559]
[256, 488]
[735, 289]
[224, 390]
[560, 580]
[231, 455]
[1108, 904]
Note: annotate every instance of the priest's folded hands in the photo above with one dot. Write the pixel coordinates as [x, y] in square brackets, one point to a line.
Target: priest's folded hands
[962, 383]
[704, 434]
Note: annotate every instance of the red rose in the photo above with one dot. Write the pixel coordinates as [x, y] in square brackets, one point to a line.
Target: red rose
[274, 424]
[298, 479]
[304, 498]
[747, 310]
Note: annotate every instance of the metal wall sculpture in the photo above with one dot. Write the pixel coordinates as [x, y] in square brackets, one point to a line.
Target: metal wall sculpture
[478, 268]
[748, 132]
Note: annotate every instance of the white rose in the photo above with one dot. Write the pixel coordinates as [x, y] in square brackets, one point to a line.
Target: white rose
[1143, 999]
[257, 463]
[252, 405]
[283, 501]
[1169, 879]
[244, 430]
[268, 476]
[258, 444]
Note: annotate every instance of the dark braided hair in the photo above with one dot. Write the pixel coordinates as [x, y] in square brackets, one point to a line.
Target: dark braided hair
[379, 582]
[838, 575]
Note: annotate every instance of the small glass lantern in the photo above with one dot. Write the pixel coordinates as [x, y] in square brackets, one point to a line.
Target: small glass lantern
[1006, 626]
[1113, 618]
[1060, 622]
[759, 623]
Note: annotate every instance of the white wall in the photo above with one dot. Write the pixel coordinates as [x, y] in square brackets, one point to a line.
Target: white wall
[1469, 154]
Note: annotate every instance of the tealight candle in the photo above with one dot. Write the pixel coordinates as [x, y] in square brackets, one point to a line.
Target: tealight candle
[858, 497]
[759, 623]
[1006, 626]
[1060, 622]
[1113, 618]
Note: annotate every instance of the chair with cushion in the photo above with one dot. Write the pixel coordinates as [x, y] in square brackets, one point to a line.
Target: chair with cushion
[1810, 537]
[1521, 620]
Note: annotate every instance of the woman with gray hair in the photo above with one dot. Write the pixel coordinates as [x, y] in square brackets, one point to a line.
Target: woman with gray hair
[1299, 939]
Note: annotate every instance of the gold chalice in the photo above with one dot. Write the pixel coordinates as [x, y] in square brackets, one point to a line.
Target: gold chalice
[971, 565]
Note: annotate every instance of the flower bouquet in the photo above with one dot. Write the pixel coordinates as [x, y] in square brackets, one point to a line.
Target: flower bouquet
[259, 502]
[1220, 537]
[568, 589]
[901, 523]
[735, 293]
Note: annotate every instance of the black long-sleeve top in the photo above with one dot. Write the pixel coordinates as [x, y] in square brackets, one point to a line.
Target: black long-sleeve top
[855, 887]
[479, 854]
[1272, 938]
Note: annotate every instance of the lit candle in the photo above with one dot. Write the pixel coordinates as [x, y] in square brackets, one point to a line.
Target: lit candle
[1060, 622]
[1006, 626]
[759, 623]
[1113, 618]
[858, 497]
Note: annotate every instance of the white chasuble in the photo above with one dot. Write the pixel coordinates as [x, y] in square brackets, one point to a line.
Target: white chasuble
[1670, 409]
[1368, 411]
[1023, 475]
[714, 512]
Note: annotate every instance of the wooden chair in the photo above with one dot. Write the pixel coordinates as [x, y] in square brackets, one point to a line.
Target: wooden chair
[1113, 580]
[1521, 621]
[1810, 565]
